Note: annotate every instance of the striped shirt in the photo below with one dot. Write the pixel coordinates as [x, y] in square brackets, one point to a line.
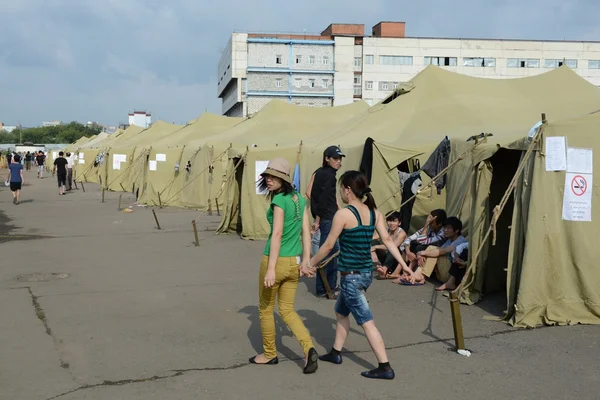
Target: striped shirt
[355, 245]
[430, 238]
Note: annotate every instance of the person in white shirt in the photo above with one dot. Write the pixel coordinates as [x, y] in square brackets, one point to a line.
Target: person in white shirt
[70, 162]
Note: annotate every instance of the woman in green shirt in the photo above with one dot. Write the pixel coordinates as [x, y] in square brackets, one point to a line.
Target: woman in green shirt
[280, 268]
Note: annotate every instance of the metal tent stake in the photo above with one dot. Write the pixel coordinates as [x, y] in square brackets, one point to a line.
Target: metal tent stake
[102, 195]
[217, 204]
[120, 197]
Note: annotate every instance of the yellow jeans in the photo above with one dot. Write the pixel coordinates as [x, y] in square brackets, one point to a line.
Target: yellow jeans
[284, 291]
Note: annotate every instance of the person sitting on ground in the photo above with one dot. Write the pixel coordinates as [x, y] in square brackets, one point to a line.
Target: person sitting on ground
[382, 259]
[431, 234]
[438, 258]
[458, 267]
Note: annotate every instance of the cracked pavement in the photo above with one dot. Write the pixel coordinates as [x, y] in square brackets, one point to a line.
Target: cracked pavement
[145, 314]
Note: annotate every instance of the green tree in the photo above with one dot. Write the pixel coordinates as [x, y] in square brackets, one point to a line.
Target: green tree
[67, 133]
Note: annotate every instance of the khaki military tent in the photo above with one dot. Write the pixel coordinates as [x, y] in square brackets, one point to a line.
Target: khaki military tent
[91, 164]
[182, 170]
[545, 263]
[127, 158]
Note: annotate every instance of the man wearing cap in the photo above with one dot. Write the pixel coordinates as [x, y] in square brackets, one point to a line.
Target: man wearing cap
[324, 205]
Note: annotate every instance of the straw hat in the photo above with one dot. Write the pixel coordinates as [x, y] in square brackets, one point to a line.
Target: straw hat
[280, 168]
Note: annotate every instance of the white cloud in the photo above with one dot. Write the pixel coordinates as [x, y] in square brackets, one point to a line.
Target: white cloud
[97, 60]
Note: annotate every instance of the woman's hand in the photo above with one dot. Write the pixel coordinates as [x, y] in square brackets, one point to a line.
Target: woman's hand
[269, 278]
[306, 269]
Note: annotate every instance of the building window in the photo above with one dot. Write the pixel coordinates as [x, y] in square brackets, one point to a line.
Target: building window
[523, 63]
[298, 83]
[357, 79]
[395, 85]
[278, 59]
[357, 90]
[325, 83]
[479, 62]
[311, 59]
[369, 59]
[357, 61]
[311, 104]
[395, 60]
[559, 63]
[311, 83]
[593, 64]
[325, 60]
[298, 59]
[278, 83]
[441, 61]
[384, 86]
[368, 85]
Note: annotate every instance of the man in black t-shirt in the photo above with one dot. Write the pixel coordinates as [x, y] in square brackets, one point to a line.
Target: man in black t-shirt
[39, 161]
[60, 167]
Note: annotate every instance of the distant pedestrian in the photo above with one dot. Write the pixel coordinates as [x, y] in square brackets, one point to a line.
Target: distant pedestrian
[8, 158]
[15, 177]
[70, 162]
[60, 167]
[40, 159]
[28, 161]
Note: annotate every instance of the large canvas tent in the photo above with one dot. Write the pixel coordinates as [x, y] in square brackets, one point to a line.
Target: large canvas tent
[91, 164]
[126, 161]
[190, 172]
[546, 264]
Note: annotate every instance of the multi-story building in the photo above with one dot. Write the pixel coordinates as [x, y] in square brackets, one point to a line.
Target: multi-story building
[140, 118]
[342, 64]
[51, 123]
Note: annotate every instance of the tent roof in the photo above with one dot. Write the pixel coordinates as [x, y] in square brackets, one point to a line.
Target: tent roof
[279, 121]
[99, 138]
[206, 125]
[148, 136]
[438, 102]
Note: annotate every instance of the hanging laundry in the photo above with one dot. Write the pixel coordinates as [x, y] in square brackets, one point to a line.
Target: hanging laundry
[437, 162]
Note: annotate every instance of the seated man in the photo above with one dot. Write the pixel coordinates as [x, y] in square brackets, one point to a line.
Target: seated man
[384, 262]
[458, 268]
[438, 258]
[431, 234]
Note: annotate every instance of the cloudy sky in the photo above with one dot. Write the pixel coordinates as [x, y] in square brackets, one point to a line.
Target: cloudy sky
[99, 59]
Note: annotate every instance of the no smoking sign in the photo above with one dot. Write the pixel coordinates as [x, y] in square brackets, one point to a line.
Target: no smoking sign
[579, 185]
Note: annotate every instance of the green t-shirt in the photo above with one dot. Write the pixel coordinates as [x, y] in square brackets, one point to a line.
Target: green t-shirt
[293, 213]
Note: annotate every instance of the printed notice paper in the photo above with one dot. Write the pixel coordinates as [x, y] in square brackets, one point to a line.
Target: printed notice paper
[577, 201]
[161, 157]
[580, 160]
[120, 157]
[116, 163]
[260, 167]
[152, 165]
[81, 155]
[556, 153]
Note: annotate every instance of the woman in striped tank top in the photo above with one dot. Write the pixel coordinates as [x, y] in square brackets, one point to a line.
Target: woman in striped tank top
[354, 226]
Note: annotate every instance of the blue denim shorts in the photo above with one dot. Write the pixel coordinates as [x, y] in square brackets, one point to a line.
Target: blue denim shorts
[352, 298]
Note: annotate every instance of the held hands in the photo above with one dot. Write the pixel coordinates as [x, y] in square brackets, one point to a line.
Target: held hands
[306, 270]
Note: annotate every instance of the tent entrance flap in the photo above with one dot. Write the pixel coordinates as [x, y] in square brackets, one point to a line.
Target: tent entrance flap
[504, 166]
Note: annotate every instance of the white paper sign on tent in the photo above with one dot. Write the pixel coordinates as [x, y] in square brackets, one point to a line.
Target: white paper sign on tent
[161, 157]
[580, 160]
[556, 153]
[116, 163]
[260, 167]
[152, 165]
[577, 201]
[81, 155]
